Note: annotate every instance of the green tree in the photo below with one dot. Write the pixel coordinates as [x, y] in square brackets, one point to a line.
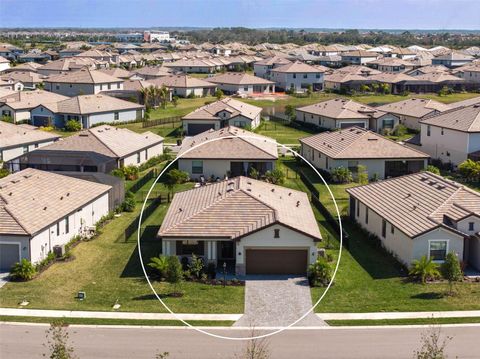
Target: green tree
[424, 269]
[470, 170]
[320, 273]
[432, 169]
[290, 112]
[175, 101]
[196, 266]
[362, 174]
[174, 178]
[73, 126]
[58, 342]
[451, 270]
[218, 94]
[364, 88]
[309, 90]
[254, 173]
[276, 176]
[23, 270]
[159, 265]
[341, 175]
[174, 272]
[129, 203]
[4, 172]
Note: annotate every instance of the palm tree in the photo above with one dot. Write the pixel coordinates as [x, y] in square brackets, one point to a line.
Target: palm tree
[160, 265]
[164, 95]
[423, 269]
[146, 96]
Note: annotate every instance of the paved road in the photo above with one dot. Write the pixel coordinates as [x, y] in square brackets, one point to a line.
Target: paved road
[25, 341]
[272, 301]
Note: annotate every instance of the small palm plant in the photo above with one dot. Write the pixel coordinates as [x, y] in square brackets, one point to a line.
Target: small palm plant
[424, 269]
[160, 265]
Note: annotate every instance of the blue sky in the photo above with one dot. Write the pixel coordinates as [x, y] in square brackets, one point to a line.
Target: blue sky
[391, 14]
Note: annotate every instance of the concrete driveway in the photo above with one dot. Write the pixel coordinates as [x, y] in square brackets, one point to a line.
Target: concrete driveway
[3, 278]
[274, 301]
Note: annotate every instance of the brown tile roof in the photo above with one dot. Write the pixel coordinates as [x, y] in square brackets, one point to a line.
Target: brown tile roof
[275, 60]
[210, 111]
[157, 71]
[470, 101]
[391, 78]
[31, 200]
[15, 135]
[355, 142]
[30, 99]
[117, 72]
[84, 76]
[236, 207]
[416, 203]
[238, 78]
[23, 76]
[357, 70]
[466, 119]
[181, 81]
[296, 67]
[414, 107]
[431, 69]
[229, 145]
[88, 104]
[340, 108]
[106, 140]
[437, 77]
[359, 53]
[69, 63]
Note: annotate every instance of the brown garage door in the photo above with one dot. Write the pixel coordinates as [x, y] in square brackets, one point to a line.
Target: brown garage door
[276, 261]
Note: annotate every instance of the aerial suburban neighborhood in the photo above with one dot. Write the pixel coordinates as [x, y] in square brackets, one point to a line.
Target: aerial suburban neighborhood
[283, 179]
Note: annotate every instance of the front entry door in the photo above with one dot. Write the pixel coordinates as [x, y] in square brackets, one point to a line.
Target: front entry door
[226, 250]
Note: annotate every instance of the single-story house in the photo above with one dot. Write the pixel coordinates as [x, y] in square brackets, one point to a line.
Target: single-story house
[196, 65]
[133, 91]
[98, 149]
[421, 214]
[225, 153]
[4, 64]
[257, 227]
[60, 66]
[18, 105]
[17, 140]
[452, 136]
[297, 76]
[343, 113]
[220, 114]
[358, 57]
[391, 64]
[152, 72]
[412, 111]
[232, 83]
[470, 73]
[82, 82]
[264, 67]
[30, 80]
[41, 210]
[119, 73]
[355, 146]
[453, 59]
[89, 110]
[184, 85]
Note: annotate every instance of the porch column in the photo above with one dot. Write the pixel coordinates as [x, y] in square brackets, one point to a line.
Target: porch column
[168, 248]
[211, 251]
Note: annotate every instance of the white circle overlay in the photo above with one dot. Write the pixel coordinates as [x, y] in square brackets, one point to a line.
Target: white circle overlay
[277, 331]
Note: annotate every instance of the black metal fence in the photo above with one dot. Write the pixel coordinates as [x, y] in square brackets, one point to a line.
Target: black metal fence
[174, 121]
[135, 187]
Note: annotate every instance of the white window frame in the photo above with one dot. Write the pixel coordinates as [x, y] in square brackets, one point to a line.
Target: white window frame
[438, 240]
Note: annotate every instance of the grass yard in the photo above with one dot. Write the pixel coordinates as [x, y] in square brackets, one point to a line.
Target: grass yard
[418, 321]
[370, 280]
[283, 133]
[108, 269]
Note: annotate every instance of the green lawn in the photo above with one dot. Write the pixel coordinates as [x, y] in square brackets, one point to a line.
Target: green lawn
[418, 321]
[108, 269]
[283, 133]
[368, 279]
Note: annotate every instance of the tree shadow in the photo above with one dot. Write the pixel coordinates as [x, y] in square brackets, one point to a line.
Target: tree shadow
[428, 296]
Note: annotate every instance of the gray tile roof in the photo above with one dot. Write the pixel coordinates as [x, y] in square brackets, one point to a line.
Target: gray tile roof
[210, 111]
[16, 135]
[466, 119]
[340, 108]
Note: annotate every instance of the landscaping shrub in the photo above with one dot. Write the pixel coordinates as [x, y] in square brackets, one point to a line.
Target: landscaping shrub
[424, 269]
[130, 172]
[320, 273]
[4, 172]
[174, 273]
[218, 94]
[45, 262]
[117, 172]
[341, 175]
[400, 130]
[451, 270]
[362, 174]
[276, 176]
[129, 203]
[470, 170]
[23, 270]
[160, 266]
[195, 267]
[174, 178]
[211, 270]
[72, 126]
[432, 169]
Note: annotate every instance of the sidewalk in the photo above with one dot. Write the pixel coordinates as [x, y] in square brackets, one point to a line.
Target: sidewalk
[230, 317]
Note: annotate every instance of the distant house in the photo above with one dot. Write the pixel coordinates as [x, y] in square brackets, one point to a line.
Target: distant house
[28, 66]
[434, 82]
[118, 72]
[89, 110]
[152, 72]
[264, 67]
[41, 210]
[18, 105]
[358, 57]
[184, 85]
[259, 227]
[225, 153]
[197, 65]
[355, 146]
[391, 64]
[412, 111]
[232, 83]
[132, 91]
[297, 76]
[67, 64]
[452, 136]
[4, 64]
[428, 70]
[82, 82]
[20, 139]
[99, 149]
[420, 215]
[10, 52]
[453, 59]
[401, 53]
[470, 73]
[30, 80]
[219, 114]
[343, 113]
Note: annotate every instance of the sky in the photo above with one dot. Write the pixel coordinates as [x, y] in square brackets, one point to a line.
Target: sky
[355, 14]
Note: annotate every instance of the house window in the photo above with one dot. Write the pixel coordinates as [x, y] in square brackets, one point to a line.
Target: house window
[317, 76]
[366, 215]
[429, 130]
[353, 166]
[305, 76]
[25, 149]
[388, 123]
[58, 228]
[138, 157]
[471, 226]
[438, 250]
[245, 88]
[118, 85]
[36, 145]
[384, 228]
[67, 225]
[358, 208]
[116, 116]
[392, 229]
[57, 87]
[146, 154]
[442, 131]
[276, 233]
[192, 247]
[109, 86]
[239, 123]
[197, 167]
[294, 76]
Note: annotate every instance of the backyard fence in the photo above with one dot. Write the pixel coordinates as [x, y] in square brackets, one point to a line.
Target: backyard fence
[142, 180]
[174, 121]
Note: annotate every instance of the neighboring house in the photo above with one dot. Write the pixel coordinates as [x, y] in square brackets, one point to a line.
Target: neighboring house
[428, 70]
[470, 73]
[412, 111]
[434, 82]
[391, 65]
[19, 104]
[355, 146]
[469, 102]
[219, 114]
[422, 214]
[82, 82]
[29, 67]
[297, 76]
[89, 110]
[67, 64]
[152, 72]
[118, 72]
[225, 153]
[453, 59]
[99, 149]
[264, 67]
[343, 113]
[132, 91]
[17, 140]
[257, 227]
[197, 65]
[97, 54]
[30, 80]
[40, 210]
[401, 53]
[358, 57]
[452, 136]
[4, 64]
[232, 83]
[10, 52]
[184, 85]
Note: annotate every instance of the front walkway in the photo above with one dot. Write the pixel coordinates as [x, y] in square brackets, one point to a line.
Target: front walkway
[275, 301]
[3, 278]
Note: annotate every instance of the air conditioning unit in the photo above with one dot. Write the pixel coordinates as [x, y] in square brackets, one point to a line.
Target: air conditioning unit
[59, 250]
